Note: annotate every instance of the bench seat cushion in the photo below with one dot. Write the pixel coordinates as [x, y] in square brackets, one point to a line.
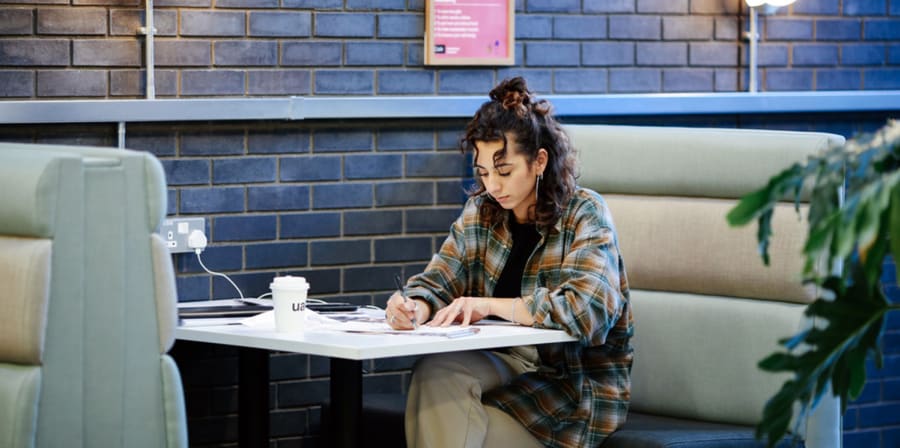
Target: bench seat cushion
[651, 431]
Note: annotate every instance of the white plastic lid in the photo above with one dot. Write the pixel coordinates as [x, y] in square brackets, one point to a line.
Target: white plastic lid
[289, 282]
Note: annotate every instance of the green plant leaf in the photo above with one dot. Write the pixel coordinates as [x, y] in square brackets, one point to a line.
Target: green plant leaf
[894, 226]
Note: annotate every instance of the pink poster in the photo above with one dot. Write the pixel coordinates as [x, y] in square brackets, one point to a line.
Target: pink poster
[471, 30]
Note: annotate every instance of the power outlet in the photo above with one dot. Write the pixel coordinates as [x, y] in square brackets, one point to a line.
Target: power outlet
[175, 232]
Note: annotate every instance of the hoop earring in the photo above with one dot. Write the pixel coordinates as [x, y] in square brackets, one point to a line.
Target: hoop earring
[537, 185]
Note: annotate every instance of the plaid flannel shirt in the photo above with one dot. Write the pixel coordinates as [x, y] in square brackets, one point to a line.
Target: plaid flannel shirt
[574, 281]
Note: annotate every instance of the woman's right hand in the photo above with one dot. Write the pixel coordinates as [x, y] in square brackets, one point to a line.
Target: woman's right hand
[400, 313]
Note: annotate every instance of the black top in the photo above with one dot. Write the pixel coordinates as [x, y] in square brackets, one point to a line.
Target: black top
[525, 237]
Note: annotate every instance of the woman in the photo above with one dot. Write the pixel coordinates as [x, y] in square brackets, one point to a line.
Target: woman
[532, 248]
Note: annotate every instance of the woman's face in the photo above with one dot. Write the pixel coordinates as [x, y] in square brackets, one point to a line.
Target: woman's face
[509, 180]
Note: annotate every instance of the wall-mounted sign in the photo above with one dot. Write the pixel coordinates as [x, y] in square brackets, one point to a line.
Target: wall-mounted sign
[470, 32]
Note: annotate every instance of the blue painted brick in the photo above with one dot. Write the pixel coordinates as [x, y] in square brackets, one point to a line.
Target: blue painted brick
[405, 139]
[452, 192]
[304, 393]
[449, 139]
[782, 28]
[212, 200]
[280, 24]
[818, 7]
[252, 285]
[863, 54]
[343, 140]
[815, 55]
[433, 220]
[579, 27]
[891, 390]
[246, 4]
[349, 82]
[843, 29]
[281, 197]
[372, 223]
[373, 166]
[850, 419]
[186, 172]
[634, 80]
[342, 196]
[313, 54]
[886, 78]
[376, 278]
[864, 7]
[374, 53]
[171, 201]
[608, 54]
[770, 55]
[415, 55]
[871, 393]
[310, 4]
[727, 80]
[395, 26]
[212, 82]
[609, 6]
[662, 53]
[781, 80]
[540, 80]
[715, 7]
[216, 258]
[212, 23]
[339, 252]
[276, 255]
[403, 249]
[713, 54]
[861, 439]
[244, 170]
[436, 165]
[534, 26]
[687, 28]
[314, 168]
[245, 53]
[687, 80]
[278, 141]
[192, 288]
[728, 28]
[552, 54]
[879, 415]
[377, 4]
[245, 228]
[662, 6]
[580, 81]
[310, 225]
[160, 143]
[891, 437]
[465, 81]
[881, 29]
[838, 79]
[554, 6]
[635, 27]
[404, 193]
[344, 25]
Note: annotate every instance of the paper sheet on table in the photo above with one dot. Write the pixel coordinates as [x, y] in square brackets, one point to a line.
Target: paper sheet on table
[453, 331]
[315, 321]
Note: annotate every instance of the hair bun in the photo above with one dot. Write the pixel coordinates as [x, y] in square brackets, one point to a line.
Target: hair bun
[513, 95]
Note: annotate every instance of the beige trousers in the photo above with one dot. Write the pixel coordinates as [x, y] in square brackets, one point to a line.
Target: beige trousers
[444, 406]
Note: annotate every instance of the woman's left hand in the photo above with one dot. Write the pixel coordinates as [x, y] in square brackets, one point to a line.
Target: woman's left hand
[463, 309]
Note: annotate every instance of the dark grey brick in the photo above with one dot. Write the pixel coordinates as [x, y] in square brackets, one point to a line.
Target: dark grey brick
[661, 53]
[687, 28]
[212, 200]
[579, 27]
[343, 140]
[465, 81]
[580, 81]
[339, 252]
[395, 26]
[377, 278]
[843, 29]
[864, 7]
[793, 79]
[23, 52]
[687, 80]
[349, 82]
[316, 4]
[662, 6]
[159, 142]
[405, 139]
[552, 54]
[404, 193]
[372, 223]
[74, 136]
[307, 169]
[863, 54]
[81, 21]
[315, 54]
[212, 82]
[628, 80]
[342, 196]
[246, 52]
[815, 55]
[452, 192]
[770, 55]
[535, 26]
[276, 255]
[246, 4]
[635, 27]
[182, 53]
[106, 52]
[244, 228]
[15, 21]
[398, 82]
[212, 142]
[554, 6]
[881, 29]
[16, 83]
[344, 25]
[540, 80]
[280, 24]
[303, 393]
[376, 166]
[288, 422]
[819, 7]
[436, 165]
[310, 225]
[127, 22]
[71, 83]
[726, 80]
[609, 6]
[608, 54]
[212, 23]
[720, 54]
[403, 249]
[134, 82]
[278, 140]
[375, 53]
[433, 220]
[277, 198]
[244, 170]
[715, 7]
[838, 79]
[728, 28]
[278, 82]
[106, 2]
[186, 172]
[882, 78]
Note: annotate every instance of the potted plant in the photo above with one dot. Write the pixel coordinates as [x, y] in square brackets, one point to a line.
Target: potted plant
[847, 244]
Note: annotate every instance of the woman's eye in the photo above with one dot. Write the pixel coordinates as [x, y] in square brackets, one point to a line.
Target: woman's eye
[480, 174]
[504, 174]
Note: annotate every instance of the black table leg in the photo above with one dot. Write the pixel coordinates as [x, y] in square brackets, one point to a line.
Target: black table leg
[346, 403]
[253, 397]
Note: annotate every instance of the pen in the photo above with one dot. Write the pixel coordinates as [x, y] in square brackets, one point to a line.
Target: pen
[403, 294]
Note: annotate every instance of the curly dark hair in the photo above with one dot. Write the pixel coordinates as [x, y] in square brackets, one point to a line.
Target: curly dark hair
[513, 111]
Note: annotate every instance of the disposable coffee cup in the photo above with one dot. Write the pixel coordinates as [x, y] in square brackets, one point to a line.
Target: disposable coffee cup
[289, 297]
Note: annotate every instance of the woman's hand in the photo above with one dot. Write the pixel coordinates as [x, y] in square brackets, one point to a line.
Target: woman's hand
[400, 313]
[465, 310]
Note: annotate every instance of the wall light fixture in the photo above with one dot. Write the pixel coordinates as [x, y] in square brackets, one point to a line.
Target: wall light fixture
[768, 7]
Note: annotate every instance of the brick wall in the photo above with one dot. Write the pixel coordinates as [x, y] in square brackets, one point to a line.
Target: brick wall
[348, 204]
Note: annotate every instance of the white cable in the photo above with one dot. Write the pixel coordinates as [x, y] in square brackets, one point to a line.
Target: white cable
[197, 251]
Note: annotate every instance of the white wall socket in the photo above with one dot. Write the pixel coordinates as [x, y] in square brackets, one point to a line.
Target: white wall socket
[175, 231]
